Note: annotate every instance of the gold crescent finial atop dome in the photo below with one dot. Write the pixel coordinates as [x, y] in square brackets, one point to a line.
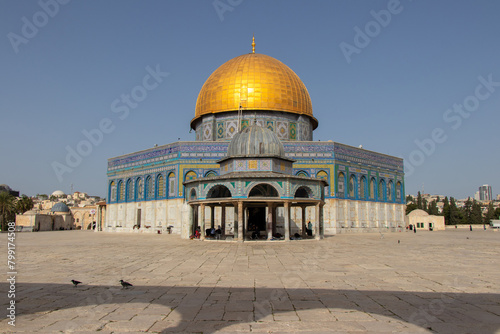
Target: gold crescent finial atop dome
[253, 44]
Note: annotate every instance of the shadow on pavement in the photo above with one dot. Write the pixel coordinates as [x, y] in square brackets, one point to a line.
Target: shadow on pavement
[471, 312]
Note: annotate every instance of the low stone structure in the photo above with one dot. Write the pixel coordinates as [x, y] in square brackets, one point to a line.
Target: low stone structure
[421, 220]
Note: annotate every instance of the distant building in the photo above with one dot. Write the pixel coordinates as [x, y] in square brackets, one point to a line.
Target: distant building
[485, 193]
[421, 220]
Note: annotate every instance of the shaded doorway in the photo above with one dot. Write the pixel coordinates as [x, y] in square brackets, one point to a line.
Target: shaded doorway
[257, 221]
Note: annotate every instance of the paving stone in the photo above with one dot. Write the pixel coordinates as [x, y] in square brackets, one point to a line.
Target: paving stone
[349, 283]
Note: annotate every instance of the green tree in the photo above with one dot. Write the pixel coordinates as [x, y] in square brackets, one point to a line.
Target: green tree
[424, 205]
[410, 207]
[7, 209]
[433, 209]
[497, 213]
[419, 201]
[446, 211]
[455, 214]
[409, 199]
[24, 204]
[490, 214]
[466, 212]
[476, 215]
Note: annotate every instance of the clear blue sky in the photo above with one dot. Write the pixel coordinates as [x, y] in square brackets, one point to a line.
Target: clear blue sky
[396, 89]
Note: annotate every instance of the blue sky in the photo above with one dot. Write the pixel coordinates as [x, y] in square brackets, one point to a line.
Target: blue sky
[389, 87]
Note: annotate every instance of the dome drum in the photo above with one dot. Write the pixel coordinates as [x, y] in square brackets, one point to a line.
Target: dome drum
[223, 126]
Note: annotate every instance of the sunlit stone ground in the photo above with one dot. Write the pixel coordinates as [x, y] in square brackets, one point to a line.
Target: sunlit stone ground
[442, 281]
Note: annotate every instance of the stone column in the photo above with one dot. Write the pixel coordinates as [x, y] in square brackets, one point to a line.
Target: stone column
[287, 220]
[303, 208]
[269, 221]
[240, 222]
[321, 222]
[317, 222]
[223, 219]
[191, 222]
[202, 227]
[235, 223]
[212, 216]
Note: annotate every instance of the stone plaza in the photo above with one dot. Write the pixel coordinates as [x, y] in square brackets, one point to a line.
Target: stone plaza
[403, 282]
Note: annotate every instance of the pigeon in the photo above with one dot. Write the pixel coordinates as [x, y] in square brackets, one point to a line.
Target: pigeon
[125, 284]
[75, 283]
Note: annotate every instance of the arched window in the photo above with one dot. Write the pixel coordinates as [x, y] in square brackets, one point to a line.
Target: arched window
[190, 176]
[121, 191]
[210, 174]
[112, 191]
[160, 186]
[130, 191]
[340, 185]
[363, 188]
[390, 191]
[372, 188]
[399, 191]
[171, 184]
[303, 192]
[263, 190]
[301, 173]
[192, 194]
[219, 191]
[149, 188]
[381, 190]
[139, 188]
[352, 186]
[321, 175]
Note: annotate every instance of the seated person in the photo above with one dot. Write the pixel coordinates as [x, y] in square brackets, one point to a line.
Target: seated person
[256, 234]
[218, 233]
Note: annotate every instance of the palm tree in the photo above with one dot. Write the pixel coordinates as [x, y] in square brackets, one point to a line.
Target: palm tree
[7, 209]
[24, 204]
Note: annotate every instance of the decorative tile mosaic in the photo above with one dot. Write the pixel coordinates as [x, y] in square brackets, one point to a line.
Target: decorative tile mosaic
[270, 125]
[220, 130]
[231, 128]
[244, 124]
[282, 130]
[293, 130]
[207, 131]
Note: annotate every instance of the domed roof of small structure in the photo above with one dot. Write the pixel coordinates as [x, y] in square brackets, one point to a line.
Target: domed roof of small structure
[418, 212]
[60, 207]
[255, 141]
[4, 187]
[58, 193]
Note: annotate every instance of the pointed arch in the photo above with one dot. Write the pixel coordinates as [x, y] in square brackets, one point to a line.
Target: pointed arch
[390, 191]
[341, 184]
[382, 192]
[219, 191]
[171, 184]
[373, 188]
[353, 186]
[112, 191]
[363, 188]
[160, 186]
[263, 190]
[129, 191]
[139, 188]
[149, 187]
[121, 191]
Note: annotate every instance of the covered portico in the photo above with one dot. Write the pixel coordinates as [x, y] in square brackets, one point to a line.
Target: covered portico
[245, 223]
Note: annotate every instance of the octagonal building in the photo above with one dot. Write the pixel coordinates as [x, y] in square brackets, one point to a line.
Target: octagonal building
[254, 169]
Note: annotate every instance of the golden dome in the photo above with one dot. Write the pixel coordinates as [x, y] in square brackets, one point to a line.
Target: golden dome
[256, 82]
